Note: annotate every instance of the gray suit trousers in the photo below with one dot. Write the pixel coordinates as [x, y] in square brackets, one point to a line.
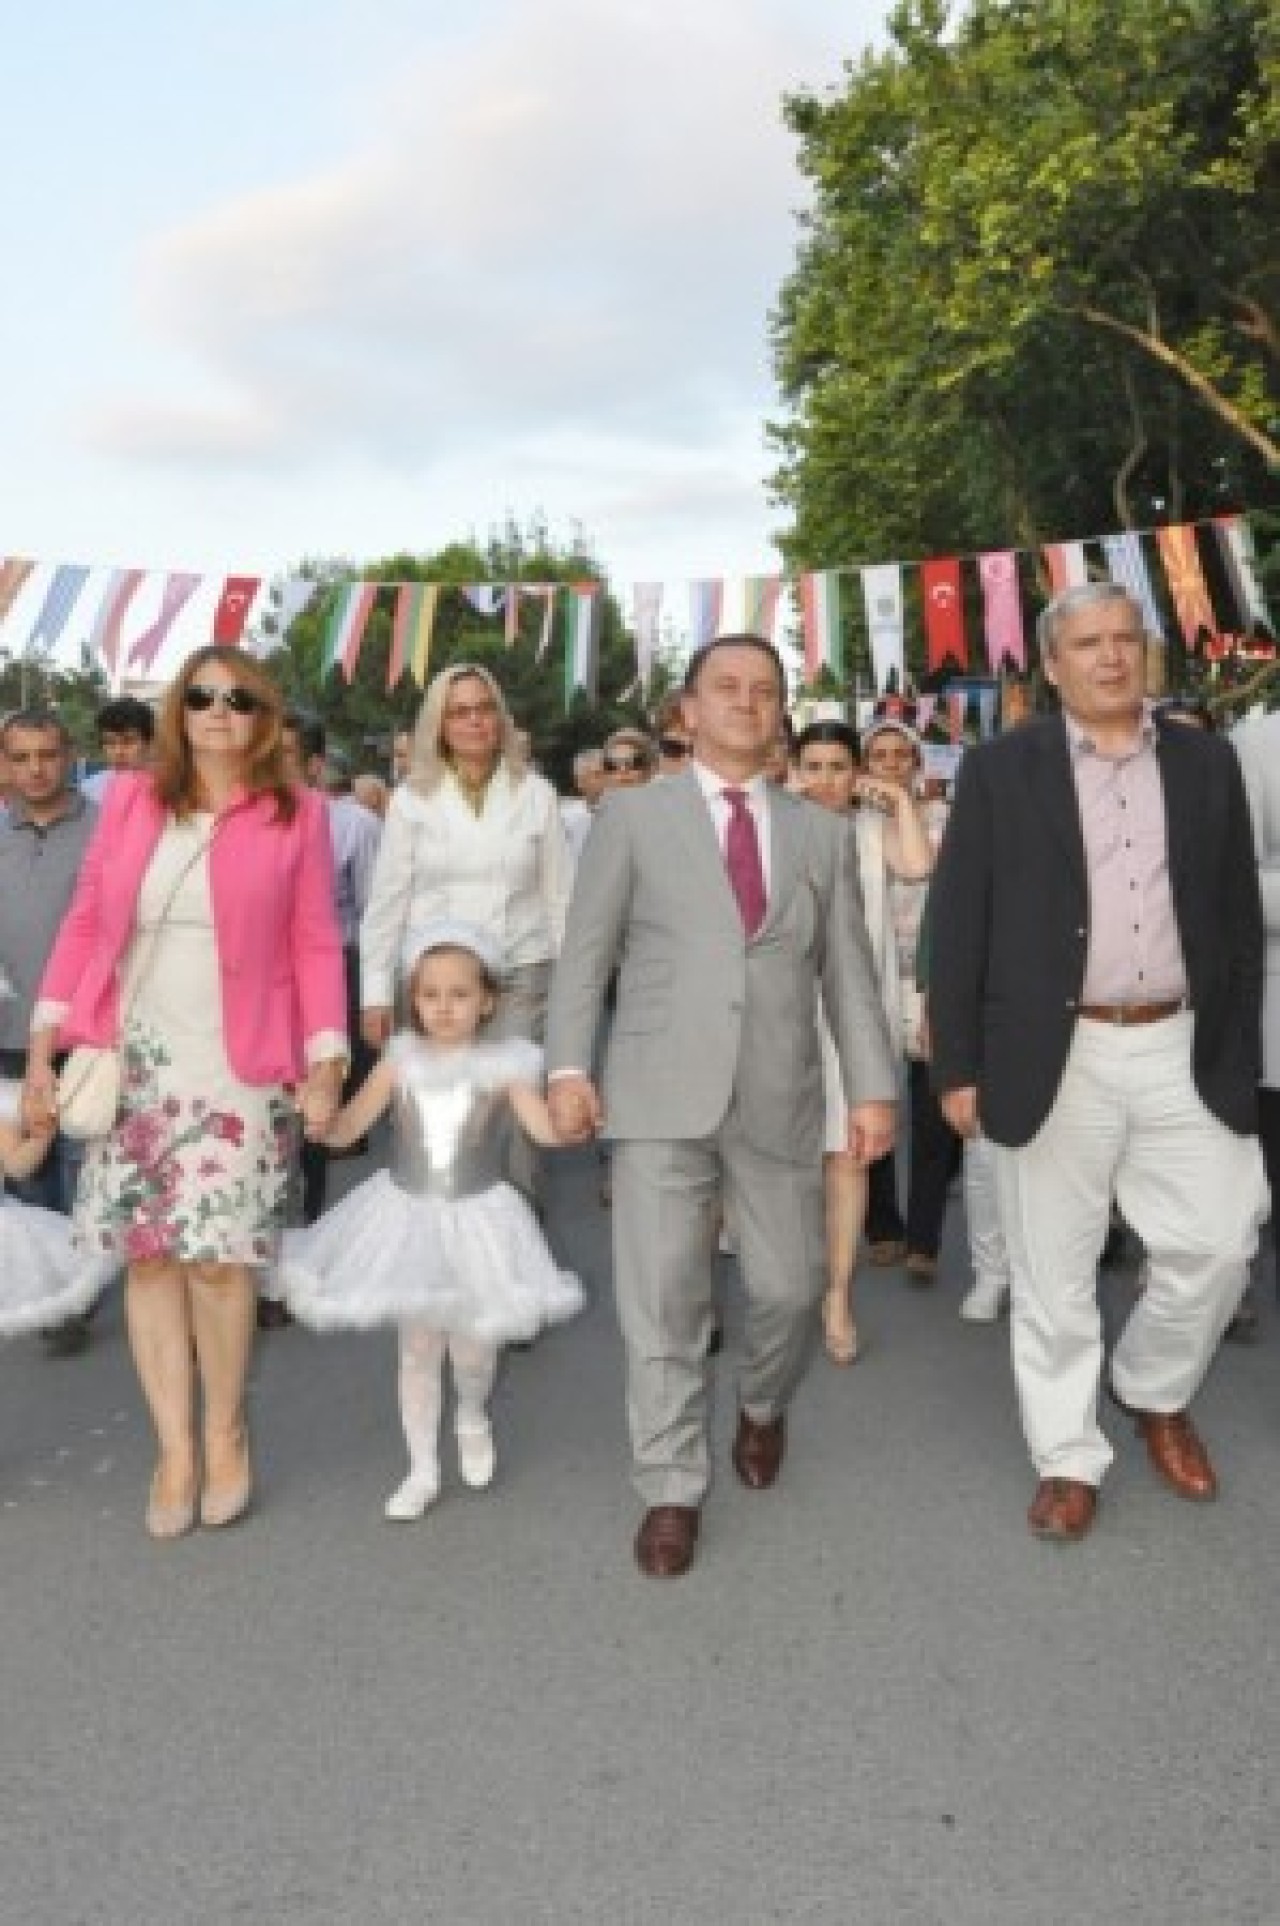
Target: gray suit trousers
[666, 1213]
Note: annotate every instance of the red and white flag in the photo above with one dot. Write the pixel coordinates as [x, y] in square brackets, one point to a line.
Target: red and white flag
[233, 608]
[1066, 564]
[943, 603]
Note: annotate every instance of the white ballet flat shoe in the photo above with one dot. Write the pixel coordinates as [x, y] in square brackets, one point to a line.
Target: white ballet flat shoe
[416, 1495]
[477, 1460]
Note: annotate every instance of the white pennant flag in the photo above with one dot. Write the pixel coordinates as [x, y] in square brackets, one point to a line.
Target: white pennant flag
[886, 623]
[646, 615]
[287, 601]
[1236, 538]
[1127, 566]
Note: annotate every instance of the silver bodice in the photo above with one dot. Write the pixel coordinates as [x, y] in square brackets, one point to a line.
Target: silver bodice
[449, 1137]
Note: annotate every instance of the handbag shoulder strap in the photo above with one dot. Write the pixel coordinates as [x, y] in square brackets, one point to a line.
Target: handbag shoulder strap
[148, 958]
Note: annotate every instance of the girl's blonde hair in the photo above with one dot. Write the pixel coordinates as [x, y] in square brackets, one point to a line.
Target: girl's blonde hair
[428, 761]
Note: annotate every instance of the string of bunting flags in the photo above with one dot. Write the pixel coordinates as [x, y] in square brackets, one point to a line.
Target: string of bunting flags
[1202, 576]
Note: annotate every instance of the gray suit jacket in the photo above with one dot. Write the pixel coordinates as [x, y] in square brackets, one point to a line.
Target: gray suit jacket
[703, 1016]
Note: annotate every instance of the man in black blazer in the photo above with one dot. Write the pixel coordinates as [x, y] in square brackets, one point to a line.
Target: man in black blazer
[1095, 995]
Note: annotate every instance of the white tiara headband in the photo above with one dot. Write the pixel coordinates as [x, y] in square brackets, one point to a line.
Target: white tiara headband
[450, 933]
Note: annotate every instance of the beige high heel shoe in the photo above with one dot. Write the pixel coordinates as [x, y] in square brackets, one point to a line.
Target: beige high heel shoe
[839, 1332]
[223, 1502]
[166, 1519]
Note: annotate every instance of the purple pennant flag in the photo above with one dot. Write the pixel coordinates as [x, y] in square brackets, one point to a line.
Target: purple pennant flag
[178, 591]
[55, 611]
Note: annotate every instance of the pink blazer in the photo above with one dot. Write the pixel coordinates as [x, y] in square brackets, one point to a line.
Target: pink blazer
[279, 945]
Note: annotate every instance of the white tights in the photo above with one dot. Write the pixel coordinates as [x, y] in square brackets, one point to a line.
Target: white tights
[422, 1353]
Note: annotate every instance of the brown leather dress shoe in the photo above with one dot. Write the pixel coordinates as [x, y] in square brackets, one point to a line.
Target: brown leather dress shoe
[758, 1449]
[1062, 1509]
[1177, 1451]
[666, 1539]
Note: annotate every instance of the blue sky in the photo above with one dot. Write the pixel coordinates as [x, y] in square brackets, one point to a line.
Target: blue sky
[310, 277]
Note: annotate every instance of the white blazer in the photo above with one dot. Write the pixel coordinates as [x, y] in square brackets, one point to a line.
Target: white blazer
[507, 870]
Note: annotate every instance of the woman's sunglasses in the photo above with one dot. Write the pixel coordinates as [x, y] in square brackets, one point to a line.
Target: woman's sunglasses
[624, 765]
[198, 696]
[674, 747]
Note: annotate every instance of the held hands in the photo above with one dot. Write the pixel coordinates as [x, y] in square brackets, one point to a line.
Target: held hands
[320, 1096]
[872, 1127]
[575, 1110]
[960, 1108]
[40, 1099]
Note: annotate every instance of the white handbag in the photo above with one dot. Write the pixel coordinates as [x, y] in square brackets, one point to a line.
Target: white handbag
[88, 1098]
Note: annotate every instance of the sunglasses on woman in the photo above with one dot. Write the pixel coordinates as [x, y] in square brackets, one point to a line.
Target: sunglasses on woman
[674, 747]
[624, 765]
[198, 697]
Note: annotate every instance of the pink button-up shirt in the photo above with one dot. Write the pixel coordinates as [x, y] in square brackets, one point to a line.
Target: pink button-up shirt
[1135, 952]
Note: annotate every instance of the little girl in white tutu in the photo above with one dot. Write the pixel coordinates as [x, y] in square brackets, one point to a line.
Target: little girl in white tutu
[43, 1280]
[438, 1245]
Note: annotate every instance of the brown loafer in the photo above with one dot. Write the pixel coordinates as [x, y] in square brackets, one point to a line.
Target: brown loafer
[758, 1449]
[1062, 1509]
[920, 1267]
[883, 1251]
[666, 1539]
[1177, 1451]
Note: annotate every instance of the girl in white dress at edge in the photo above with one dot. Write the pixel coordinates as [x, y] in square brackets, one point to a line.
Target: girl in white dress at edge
[43, 1279]
[438, 1245]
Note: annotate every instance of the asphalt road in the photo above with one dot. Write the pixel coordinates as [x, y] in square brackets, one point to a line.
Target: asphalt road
[875, 1698]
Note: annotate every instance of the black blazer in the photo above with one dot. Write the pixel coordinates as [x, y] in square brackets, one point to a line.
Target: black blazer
[1009, 924]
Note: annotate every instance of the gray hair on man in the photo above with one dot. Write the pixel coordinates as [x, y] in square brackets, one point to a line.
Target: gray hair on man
[1084, 595]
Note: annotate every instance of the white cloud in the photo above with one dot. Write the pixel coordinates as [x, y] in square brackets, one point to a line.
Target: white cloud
[567, 231]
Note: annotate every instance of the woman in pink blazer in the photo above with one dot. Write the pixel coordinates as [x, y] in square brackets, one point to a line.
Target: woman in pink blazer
[202, 941]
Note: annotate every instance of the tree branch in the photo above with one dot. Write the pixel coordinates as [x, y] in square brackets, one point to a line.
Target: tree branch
[1218, 403]
[1137, 449]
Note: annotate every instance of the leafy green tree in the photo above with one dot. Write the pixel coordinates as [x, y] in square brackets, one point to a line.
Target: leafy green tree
[1037, 292]
[75, 690]
[362, 715]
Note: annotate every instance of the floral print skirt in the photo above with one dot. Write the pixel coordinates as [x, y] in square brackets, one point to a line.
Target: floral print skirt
[197, 1167]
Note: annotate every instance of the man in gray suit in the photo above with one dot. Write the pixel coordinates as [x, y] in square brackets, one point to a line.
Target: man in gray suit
[725, 905]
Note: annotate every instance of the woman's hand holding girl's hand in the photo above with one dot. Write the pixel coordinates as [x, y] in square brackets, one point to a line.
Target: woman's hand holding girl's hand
[320, 1097]
[39, 1097]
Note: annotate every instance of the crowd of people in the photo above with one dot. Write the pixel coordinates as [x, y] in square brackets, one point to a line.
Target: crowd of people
[739, 954]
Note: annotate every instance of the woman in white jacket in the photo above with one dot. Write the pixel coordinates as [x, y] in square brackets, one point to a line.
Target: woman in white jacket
[471, 833]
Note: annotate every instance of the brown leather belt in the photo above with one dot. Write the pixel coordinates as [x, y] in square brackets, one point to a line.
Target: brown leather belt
[1126, 1014]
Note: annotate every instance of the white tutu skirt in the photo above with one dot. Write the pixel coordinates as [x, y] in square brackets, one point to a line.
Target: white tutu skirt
[43, 1279]
[477, 1267]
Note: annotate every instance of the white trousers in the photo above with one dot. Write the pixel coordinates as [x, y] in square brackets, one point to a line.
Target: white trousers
[988, 1252]
[1127, 1120]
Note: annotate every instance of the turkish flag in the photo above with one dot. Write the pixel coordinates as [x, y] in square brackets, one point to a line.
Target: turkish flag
[943, 603]
[233, 608]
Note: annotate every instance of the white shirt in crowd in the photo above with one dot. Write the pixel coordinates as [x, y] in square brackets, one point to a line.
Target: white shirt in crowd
[506, 869]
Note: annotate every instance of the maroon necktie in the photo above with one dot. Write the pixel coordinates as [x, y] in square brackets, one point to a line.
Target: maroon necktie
[742, 859]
